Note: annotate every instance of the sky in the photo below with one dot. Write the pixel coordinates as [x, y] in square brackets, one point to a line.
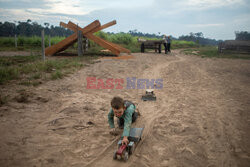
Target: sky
[217, 19]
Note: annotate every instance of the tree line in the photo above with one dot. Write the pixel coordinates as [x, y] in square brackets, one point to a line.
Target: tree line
[242, 35]
[29, 28]
[199, 39]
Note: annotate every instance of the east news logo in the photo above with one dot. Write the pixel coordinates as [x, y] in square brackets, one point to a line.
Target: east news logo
[132, 83]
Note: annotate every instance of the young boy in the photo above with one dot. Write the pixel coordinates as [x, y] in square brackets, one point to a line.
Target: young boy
[125, 112]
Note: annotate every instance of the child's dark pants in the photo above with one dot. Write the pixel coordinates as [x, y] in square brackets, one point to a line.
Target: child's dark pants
[120, 121]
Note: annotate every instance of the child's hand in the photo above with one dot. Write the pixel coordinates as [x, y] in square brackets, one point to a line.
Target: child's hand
[113, 131]
[125, 140]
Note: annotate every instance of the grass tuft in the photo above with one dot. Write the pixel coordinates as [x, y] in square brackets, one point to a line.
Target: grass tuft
[30, 68]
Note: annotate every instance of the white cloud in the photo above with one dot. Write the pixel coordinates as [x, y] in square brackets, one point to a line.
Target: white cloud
[12, 15]
[174, 7]
[83, 7]
[205, 4]
[205, 25]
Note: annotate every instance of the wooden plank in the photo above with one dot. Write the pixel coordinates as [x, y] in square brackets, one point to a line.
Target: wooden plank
[64, 44]
[103, 43]
[116, 49]
[122, 49]
[108, 45]
[104, 26]
[115, 45]
[62, 24]
[97, 40]
[60, 46]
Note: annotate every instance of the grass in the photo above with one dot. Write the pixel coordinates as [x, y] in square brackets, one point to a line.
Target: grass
[124, 39]
[177, 44]
[14, 60]
[57, 75]
[33, 41]
[212, 52]
[30, 69]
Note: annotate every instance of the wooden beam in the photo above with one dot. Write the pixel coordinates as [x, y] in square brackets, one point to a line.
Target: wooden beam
[96, 39]
[61, 45]
[64, 44]
[103, 43]
[104, 26]
[111, 46]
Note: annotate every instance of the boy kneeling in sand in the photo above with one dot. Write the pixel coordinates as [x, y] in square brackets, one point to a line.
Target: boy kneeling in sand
[125, 112]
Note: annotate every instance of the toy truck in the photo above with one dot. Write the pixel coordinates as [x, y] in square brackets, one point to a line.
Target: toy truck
[124, 151]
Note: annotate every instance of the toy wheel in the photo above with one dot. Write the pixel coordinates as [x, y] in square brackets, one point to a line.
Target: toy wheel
[125, 156]
[132, 149]
[115, 156]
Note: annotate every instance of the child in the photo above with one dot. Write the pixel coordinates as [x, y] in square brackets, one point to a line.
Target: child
[125, 112]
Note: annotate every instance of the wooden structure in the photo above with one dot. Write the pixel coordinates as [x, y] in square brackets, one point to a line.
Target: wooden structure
[87, 32]
[151, 44]
[234, 46]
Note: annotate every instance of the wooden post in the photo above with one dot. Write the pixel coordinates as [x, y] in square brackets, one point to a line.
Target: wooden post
[49, 41]
[86, 44]
[219, 47]
[79, 42]
[15, 41]
[43, 46]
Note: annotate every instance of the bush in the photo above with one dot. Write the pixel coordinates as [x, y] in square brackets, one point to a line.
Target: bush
[176, 44]
[122, 38]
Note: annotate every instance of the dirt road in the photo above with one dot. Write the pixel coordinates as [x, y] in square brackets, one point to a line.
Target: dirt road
[201, 116]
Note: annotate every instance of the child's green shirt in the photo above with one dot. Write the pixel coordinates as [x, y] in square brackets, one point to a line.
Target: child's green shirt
[127, 116]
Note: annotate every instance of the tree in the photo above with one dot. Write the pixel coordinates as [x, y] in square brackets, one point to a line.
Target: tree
[29, 28]
[242, 35]
[28, 21]
[199, 34]
[198, 38]
[46, 24]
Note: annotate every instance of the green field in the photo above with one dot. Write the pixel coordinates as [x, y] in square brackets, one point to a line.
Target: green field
[212, 52]
[124, 39]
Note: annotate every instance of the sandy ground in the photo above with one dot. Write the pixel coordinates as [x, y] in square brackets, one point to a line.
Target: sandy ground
[201, 116]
